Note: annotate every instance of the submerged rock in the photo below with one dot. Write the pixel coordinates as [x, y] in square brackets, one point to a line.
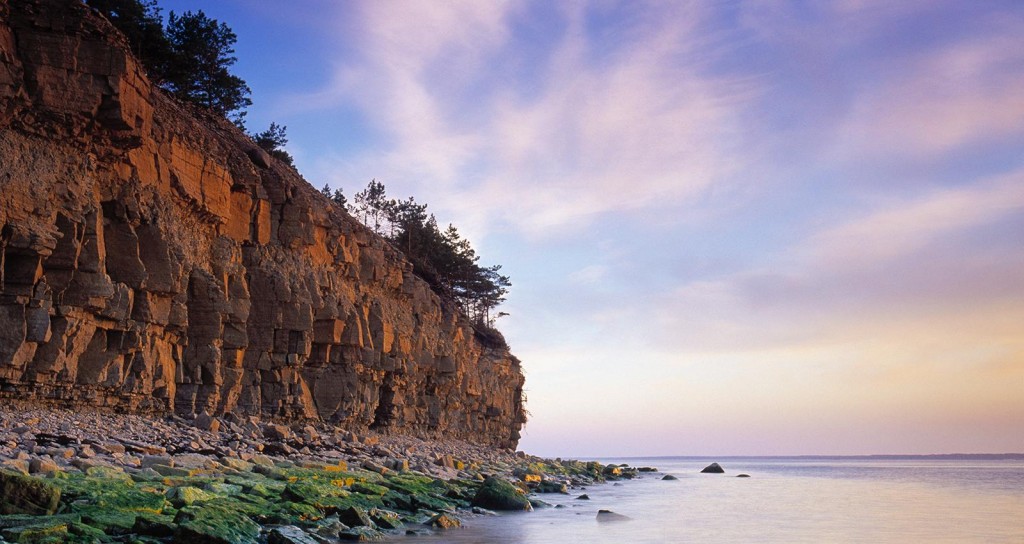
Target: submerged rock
[742, 475]
[669, 477]
[713, 468]
[608, 515]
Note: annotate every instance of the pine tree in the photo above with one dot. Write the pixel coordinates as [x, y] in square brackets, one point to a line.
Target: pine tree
[201, 53]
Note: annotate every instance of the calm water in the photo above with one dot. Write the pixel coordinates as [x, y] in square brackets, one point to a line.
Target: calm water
[784, 501]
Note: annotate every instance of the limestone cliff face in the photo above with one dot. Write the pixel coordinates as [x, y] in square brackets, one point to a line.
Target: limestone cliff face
[154, 259]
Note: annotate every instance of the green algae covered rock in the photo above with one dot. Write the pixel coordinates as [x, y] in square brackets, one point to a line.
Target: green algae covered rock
[21, 494]
[497, 494]
[289, 534]
[43, 532]
[188, 495]
[361, 534]
[385, 519]
[215, 522]
[354, 516]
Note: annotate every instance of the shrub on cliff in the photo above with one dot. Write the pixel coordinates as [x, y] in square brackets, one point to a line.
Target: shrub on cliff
[273, 141]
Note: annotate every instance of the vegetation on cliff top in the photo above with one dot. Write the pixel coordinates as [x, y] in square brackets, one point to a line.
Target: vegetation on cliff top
[443, 258]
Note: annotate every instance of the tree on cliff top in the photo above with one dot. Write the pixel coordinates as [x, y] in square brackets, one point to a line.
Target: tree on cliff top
[273, 141]
[202, 51]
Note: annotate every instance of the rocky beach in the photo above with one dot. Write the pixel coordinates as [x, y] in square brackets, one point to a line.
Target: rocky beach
[93, 476]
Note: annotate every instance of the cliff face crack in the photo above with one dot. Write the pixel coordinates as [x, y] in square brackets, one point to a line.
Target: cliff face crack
[149, 263]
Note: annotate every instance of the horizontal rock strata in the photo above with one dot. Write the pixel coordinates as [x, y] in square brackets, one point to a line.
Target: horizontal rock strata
[153, 259]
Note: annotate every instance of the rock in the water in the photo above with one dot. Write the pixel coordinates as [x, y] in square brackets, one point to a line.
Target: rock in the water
[497, 494]
[354, 516]
[444, 521]
[583, 497]
[669, 477]
[361, 534]
[20, 494]
[713, 468]
[290, 534]
[608, 515]
[742, 475]
[552, 486]
[385, 519]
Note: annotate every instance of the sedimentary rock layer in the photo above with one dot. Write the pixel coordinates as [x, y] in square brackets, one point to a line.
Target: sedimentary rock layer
[155, 259]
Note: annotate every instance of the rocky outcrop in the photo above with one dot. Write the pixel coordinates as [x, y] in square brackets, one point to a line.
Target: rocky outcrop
[155, 259]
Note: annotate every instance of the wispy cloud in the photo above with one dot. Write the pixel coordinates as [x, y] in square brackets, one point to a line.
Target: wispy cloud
[599, 129]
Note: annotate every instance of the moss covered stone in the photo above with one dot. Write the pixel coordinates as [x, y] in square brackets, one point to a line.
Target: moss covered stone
[21, 494]
[497, 494]
[215, 522]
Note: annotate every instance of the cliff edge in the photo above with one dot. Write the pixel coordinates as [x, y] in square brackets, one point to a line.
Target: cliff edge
[153, 259]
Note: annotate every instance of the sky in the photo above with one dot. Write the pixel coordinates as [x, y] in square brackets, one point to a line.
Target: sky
[760, 227]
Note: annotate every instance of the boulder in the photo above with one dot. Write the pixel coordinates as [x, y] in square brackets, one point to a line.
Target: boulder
[608, 515]
[361, 534]
[713, 468]
[497, 494]
[21, 494]
[669, 477]
[444, 521]
[215, 523]
[355, 516]
[290, 534]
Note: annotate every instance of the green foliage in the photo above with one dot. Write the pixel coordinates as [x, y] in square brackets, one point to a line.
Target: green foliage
[201, 54]
[443, 258]
[273, 141]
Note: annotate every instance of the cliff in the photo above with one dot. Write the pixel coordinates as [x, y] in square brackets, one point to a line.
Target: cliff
[155, 260]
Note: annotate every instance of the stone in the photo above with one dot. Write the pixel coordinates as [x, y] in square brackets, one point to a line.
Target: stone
[215, 523]
[608, 515]
[669, 477]
[43, 466]
[21, 494]
[207, 422]
[713, 468]
[276, 432]
[355, 516]
[360, 534]
[583, 497]
[290, 534]
[444, 521]
[742, 475]
[497, 494]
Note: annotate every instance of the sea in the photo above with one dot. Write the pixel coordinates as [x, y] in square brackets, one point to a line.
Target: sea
[961, 500]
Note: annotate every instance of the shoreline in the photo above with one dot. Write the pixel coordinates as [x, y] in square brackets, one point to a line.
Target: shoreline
[96, 476]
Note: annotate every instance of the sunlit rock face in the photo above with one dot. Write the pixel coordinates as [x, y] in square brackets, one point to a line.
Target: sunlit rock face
[154, 259]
